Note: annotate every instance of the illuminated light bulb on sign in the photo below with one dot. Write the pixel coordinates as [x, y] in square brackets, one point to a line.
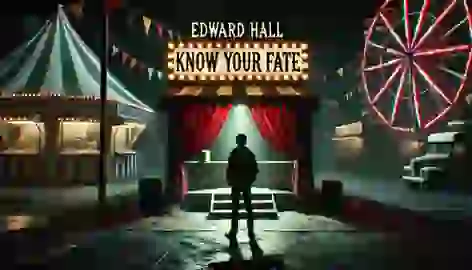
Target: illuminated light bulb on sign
[171, 77]
[249, 77]
[171, 46]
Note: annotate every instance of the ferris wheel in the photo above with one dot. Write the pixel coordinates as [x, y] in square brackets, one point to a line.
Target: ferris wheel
[416, 60]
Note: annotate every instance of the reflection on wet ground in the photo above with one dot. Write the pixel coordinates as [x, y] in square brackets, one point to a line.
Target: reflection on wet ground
[300, 241]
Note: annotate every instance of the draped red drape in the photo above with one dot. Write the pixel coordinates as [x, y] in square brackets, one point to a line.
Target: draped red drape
[199, 125]
[277, 126]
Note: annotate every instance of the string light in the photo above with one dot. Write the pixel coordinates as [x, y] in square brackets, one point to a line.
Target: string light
[52, 95]
[171, 57]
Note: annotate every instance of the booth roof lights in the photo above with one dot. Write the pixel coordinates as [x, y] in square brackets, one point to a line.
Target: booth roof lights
[59, 119]
[73, 119]
[15, 118]
[20, 95]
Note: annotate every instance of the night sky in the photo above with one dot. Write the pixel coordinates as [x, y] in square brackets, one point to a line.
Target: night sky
[333, 28]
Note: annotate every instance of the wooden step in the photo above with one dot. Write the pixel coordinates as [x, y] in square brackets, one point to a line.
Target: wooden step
[416, 179]
[257, 213]
[254, 196]
[256, 204]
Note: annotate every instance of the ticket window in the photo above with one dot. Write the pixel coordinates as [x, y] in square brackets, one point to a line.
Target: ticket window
[22, 136]
[79, 136]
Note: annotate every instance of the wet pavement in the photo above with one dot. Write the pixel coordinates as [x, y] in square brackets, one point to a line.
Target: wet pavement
[188, 241]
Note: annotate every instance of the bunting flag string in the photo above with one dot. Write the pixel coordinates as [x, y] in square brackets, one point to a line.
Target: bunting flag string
[134, 63]
[161, 30]
[147, 24]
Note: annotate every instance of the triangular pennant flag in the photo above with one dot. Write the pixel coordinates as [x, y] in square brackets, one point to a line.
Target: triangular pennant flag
[159, 29]
[114, 50]
[150, 72]
[171, 34]
[77, 9]
[124, 57]
[147, 24]
[340, 72]
[140, 65]
[159, 74]
[133, 62]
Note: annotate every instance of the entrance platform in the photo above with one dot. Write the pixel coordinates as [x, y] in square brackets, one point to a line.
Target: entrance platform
[202, 200]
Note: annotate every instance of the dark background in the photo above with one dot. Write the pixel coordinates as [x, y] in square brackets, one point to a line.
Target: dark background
[334, 29]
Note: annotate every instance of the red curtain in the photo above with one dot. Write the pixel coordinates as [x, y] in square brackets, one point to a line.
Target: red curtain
[199, 125]
[277, 126]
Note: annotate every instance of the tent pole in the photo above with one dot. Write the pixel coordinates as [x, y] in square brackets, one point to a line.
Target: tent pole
[104, 147]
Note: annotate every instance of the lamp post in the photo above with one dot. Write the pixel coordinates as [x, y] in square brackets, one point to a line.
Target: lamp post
[104, 147]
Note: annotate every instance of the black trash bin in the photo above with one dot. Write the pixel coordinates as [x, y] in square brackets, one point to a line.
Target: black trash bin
[331, 196]
[151, 199]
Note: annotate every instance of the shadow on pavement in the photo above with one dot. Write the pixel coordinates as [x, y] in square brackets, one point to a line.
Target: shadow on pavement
[258, 261]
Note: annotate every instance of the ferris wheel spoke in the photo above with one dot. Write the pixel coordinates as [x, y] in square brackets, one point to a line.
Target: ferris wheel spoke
[384, 48]
[452, 72]
[398, 95]
[430, 81]
[451, 49]
[407, 24]
[396, 37]
[386, 85]
[419, 23]
[454, 28]
[416, 102]
[382, 65]
[435, 24]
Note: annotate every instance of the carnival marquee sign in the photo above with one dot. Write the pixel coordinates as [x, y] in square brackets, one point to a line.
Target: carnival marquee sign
[245, 61]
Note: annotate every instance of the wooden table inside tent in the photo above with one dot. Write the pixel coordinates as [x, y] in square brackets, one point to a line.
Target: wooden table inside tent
[55, 140]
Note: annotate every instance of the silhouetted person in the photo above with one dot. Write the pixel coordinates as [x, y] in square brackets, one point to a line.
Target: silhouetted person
[241, 173]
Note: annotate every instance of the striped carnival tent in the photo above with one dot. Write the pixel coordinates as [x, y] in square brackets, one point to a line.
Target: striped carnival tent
[57, 62]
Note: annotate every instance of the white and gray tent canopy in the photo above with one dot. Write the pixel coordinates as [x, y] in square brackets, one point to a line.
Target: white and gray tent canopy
[57, 61]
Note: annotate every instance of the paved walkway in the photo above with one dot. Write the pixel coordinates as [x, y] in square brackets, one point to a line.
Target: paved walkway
[440, 204]
[46, 201]
[187, 241]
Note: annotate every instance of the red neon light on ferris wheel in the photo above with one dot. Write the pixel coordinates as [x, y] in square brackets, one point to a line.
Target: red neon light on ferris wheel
[422, 56]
